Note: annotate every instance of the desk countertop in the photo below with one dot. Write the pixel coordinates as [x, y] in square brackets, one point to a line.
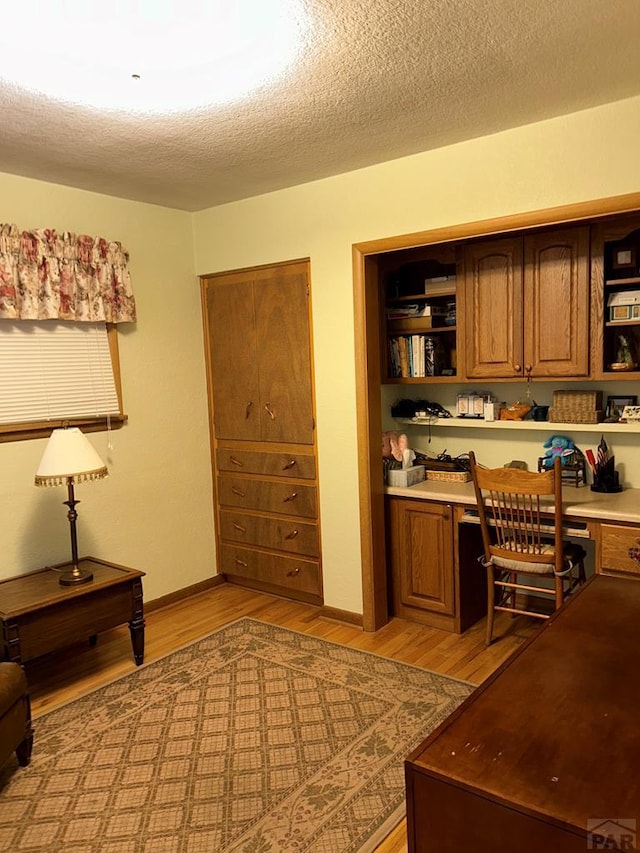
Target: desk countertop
[579, 502]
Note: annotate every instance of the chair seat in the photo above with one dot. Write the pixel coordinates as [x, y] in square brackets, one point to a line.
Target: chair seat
[571, 555]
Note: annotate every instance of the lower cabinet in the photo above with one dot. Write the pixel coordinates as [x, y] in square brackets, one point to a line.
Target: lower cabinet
[619, 550]
[435, 578]
[267, 520]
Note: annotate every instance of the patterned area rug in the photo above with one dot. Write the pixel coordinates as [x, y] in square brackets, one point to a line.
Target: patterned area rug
[254, 739]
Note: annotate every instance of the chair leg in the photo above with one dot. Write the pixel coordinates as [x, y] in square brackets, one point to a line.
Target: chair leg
[559, 592]
[581, 572]
[491, 591]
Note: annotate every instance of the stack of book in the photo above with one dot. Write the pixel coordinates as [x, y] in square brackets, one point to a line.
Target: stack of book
[414, 355]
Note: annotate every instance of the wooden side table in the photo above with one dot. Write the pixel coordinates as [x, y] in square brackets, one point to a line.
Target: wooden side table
[38, 615]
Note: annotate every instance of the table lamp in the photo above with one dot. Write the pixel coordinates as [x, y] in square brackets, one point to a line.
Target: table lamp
[69, 458]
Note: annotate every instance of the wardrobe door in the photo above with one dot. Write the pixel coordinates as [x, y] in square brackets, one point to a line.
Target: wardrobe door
[493, 309]
[281, 300]
[232, 355]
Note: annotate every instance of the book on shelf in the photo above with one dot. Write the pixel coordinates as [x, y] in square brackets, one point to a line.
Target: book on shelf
[407, 356]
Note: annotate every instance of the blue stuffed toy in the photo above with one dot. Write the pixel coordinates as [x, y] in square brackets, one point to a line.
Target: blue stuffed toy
[558, 445]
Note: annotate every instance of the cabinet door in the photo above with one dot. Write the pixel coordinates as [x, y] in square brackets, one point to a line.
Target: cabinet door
[232, 354]
[556, 298]
[493, 309]
[422, 557]
[284, 362]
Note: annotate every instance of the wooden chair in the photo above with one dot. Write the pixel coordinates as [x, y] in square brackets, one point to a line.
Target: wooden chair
[520, 538]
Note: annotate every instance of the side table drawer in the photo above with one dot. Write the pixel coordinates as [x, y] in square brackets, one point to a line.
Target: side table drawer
[620, 549]
[51, 628]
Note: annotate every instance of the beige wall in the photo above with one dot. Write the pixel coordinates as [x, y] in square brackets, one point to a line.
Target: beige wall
[584, 156]
[154, 510]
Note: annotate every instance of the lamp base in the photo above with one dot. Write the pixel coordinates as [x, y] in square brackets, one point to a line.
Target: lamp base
[76, 576]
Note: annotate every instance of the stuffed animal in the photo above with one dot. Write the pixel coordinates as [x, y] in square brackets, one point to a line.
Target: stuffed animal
[557, 445]
[390, 446]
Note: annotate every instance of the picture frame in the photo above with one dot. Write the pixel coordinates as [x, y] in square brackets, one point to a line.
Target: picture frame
[624, 258]
[615, 405]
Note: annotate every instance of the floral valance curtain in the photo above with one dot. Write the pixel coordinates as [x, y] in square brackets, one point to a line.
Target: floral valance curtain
[49, 276]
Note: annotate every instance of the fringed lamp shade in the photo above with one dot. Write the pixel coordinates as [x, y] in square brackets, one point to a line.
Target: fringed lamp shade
[69, 458]
[69, 454]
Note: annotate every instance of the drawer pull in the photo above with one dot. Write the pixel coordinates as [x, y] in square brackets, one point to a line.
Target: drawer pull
[269, 411]
[291, 497]
[247, 411]
[289, 464]
[239, 527]
[293, 572]
[292, 535]
[239, 492]
[242, 563]
[235, 461]
[634, 553]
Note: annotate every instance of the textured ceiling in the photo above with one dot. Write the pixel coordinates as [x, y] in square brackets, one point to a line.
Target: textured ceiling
[379, 79]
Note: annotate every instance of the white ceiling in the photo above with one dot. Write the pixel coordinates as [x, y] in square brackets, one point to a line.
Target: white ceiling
[377, 80]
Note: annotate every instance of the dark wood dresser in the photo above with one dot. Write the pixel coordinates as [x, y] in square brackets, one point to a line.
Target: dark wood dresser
[547, 750]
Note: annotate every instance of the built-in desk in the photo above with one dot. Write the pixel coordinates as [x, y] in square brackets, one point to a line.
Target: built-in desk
[547, 749]
[427, 594]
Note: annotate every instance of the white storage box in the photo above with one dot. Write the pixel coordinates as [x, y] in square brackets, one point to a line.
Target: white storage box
[624, 305]
[405, 476]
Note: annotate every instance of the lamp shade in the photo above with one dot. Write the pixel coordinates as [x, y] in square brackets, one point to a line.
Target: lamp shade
[69, 456]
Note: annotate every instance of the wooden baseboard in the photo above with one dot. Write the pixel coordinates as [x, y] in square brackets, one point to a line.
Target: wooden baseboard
[334, 613]
[181, 594]
[340, 615]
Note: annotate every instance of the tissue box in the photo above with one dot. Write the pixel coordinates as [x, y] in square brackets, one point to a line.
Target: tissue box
[405, 476]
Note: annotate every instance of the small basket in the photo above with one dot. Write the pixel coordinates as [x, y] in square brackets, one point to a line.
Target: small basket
[449, 476]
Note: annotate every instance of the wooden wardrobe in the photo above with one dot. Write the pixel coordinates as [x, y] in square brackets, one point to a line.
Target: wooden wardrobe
[257, 328]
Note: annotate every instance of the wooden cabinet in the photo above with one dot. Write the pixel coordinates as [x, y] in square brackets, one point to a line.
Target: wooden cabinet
[257, 339]
[258, 336]
[421, 537]
[619, 550]
[526, 306]
[432, 563]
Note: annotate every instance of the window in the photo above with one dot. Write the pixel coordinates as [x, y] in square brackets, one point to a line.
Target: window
[54, 373]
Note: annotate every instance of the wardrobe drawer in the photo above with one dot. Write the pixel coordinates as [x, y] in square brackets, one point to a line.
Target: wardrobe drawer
[620, 548]
[274, 464]
[267, 495]
[276, 534]
[289, 572]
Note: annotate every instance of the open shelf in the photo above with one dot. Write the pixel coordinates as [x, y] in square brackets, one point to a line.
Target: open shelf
[523, 426]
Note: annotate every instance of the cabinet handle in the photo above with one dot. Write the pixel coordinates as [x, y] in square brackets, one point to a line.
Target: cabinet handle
[247, 411]
[292, 535]
[242, 563]
[239, 527]
[528, 369]
[235, 461]
[239, 492]
[518, 367]
[291, 497]
[269, 411]
[289, 464]
[293, 572]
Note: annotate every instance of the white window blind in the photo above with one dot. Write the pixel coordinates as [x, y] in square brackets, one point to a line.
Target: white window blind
[55, 371]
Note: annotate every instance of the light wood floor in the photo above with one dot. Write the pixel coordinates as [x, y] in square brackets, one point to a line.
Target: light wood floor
[59, 678]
